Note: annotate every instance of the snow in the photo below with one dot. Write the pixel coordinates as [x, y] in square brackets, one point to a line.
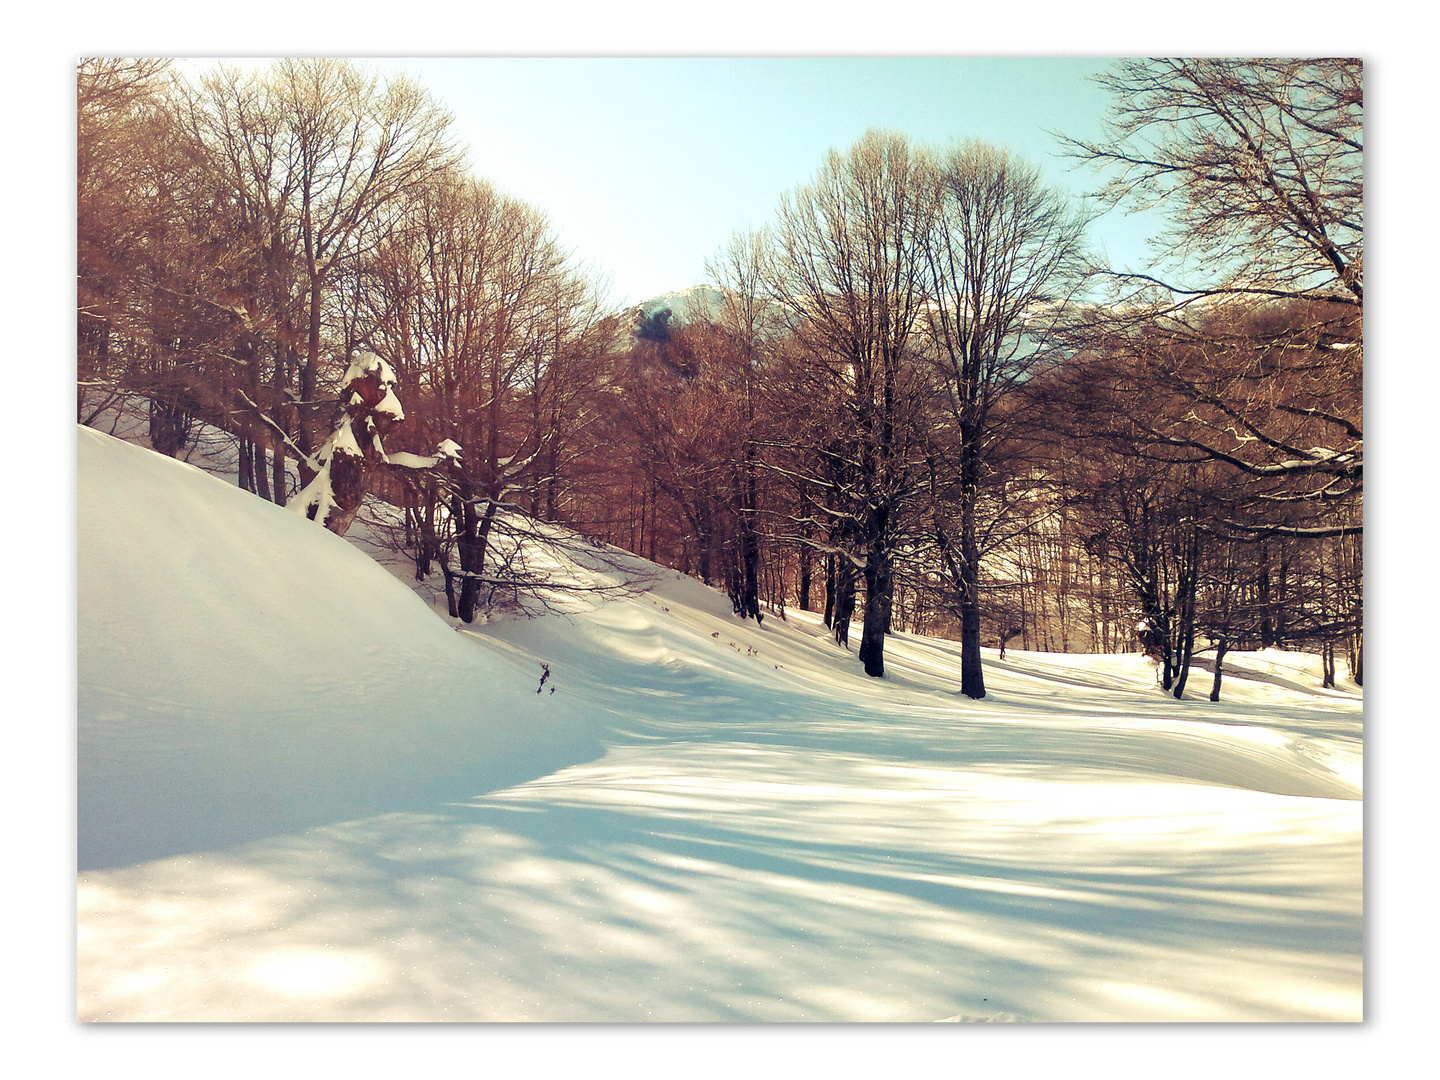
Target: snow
[390, 405]
[365, 363]
[343, 442]
[407, 460]
[306, 795]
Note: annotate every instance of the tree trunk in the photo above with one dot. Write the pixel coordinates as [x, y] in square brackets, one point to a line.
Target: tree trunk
[806, 558]
[879, 586]
[309, 372]
[844, 601]
[246, 479]
[284, 358]
[450, 599]
[278, 477]
[830, 590]
[1221, 648]
[1183, 663]
[427, 548]
[972, 675]
[468, 545]
[749, 571]
[749, 542]
[169, 427]
[1187, 586]
[703, 544]
[552, 481]
[260, 472]
[1355, 641]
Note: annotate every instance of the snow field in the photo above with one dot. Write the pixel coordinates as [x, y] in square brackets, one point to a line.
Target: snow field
[304, 796]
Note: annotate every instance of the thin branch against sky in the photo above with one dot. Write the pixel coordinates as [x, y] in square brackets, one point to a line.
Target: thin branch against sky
[647, 166]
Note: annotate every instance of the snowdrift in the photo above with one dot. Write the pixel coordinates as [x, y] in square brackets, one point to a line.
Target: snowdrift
[307, 795]
[243, 672]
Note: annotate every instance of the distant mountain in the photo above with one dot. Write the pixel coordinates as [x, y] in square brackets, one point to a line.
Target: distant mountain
[649, 318]
[698, 303]
[687, 305]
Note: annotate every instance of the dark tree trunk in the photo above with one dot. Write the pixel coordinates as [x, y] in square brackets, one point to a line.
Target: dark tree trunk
[169, 427]
[1186, 589]
[749, 601]
[1355, 641]
[806, 562]
[749, 542]
[309, 372]
[246, 478]
[830, 590]
[468, 546]
[1183, 662]
[1281, 598]
[1221, 648]
[703, 544]
[450, 599]
[879, 587]
[278, 477]
[427, 549]
[844, 601]
[249, 358]
[260, 472]
[972, 674]
[283, 365]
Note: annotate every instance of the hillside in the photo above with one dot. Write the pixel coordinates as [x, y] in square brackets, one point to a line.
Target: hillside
[307, 795]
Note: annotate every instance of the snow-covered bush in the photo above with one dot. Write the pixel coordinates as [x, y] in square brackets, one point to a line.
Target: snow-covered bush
[354, 448]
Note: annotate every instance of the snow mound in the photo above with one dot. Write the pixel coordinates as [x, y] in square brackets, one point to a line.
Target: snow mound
[242, 671]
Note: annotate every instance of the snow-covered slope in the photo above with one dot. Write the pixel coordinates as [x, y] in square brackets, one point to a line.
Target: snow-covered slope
[304, 794]
[243, 672]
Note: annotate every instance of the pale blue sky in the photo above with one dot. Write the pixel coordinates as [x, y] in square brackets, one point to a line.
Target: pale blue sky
[646, 166]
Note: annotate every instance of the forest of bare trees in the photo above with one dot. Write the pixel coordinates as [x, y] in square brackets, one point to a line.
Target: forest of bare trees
[913, 399]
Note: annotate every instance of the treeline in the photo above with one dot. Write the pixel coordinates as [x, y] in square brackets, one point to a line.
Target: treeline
[908, 405]
[245, 239]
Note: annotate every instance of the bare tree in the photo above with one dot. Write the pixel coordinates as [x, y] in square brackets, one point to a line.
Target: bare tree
[311, 155]
[848, 273]
[1260, 164]
[115, 101]
[1255, 311]
[131, 184]
[1003, 257]
[1273, 392]
[487, 321]
[748, 322]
